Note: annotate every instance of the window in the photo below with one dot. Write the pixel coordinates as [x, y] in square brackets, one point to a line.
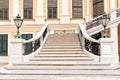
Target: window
[52, 8]
[28, 46]
[3, 45]
[98, 7]
[4, 9]
[77, 11]
[28, 9]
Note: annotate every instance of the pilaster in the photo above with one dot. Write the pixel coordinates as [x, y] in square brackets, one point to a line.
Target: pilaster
[40, 12]
[64, 18]
[15, 10]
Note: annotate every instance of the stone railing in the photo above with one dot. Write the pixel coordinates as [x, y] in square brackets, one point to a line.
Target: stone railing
[96, 21]
[107, 47]
[103, 47]
[86, 45]
[18, 46]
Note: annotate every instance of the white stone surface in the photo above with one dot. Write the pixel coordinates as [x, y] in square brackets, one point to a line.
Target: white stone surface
[106, 51]
[15, 7]
[15, 10]
[64, 20]
[40, 8]
[17, 50]
[114, 36]
[39, 20]
[40, 14]
[64, 7]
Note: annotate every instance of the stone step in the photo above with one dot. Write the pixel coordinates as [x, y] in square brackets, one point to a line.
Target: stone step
[61, 59]
[62, 52]
[76, 67]
[65, 42]
[60, 55]
[64, 72]
[62, 44]
[60, 63]
[50, 46]
[61, 77]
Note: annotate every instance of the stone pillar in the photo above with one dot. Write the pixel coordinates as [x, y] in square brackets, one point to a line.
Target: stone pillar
[107, 51]
[89, 10]
[114, 36]
[40, 13]
[113, 6]
[15, 8]
[16, 51]
[64, 18]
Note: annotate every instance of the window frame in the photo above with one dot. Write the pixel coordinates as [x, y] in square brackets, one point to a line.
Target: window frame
[52, 8]
[97, 10]
[77, 7]
[4, 11]
[27, 14]
[2, 41]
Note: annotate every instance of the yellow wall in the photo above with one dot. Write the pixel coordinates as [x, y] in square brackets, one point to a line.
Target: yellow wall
[45, 8]
[21, 8]
[118, 3]
[10, 9]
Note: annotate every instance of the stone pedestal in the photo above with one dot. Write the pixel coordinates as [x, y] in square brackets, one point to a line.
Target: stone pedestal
[64, 19]
[17, 50]
[106, 49]
[39, 20]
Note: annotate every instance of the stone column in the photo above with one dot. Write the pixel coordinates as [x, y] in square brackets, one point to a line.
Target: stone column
[113, 6]
[15, 9]
[64, 18]
[40, 13]
[114, 36]
[114, 29]
[16, 51]
[89, 10]
[107, 51]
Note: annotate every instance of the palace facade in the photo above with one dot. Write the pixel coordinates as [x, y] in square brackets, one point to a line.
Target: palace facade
[38, 12]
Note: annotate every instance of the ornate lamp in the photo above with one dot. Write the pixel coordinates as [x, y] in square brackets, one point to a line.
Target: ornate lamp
[18, 22]
[104, 21]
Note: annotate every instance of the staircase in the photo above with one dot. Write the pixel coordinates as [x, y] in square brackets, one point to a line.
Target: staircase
[61, 58]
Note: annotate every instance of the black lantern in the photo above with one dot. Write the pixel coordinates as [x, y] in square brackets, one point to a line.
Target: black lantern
[18, 22]
[104, 21]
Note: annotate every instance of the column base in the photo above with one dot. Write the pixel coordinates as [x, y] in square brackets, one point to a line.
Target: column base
[40, 20]
[65, 19]
[15, 59]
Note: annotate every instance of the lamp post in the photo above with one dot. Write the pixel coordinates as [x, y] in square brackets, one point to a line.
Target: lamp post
[104, 21]
[18, 22]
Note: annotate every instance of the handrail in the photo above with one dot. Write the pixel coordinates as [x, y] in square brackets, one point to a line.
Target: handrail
[88, 41]
[93, 23]
[33, 44]
[82, 28]
[38, 35]
[96, 21]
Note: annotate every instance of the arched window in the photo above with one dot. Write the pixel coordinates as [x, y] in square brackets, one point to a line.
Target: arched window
[52, 8]
[98, 7]
[77, 9]
[28, 9]
[4, 9]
